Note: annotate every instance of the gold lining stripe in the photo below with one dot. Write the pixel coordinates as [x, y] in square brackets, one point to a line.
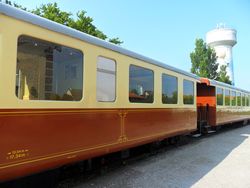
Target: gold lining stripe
[8, 165]
[121, 140]
[80, 111]
[52, 112]
[34, 111]
[160, 134]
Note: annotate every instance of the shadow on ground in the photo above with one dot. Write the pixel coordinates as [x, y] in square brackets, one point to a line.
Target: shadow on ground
[179, 167]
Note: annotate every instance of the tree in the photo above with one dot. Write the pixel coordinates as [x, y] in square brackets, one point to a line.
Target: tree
[222, 75]
[83, 23]
[204, 64]
[52, 12]
[14, 4]
[203, 60]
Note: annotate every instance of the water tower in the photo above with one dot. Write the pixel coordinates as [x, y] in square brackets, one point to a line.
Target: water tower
[222, 40]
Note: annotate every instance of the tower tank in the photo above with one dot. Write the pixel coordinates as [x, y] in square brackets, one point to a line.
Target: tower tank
[222, 40]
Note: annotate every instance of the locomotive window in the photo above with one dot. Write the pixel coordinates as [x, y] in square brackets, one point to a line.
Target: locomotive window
[48, 71]
[219, 96]
[106, 80]
[227, 97]
[243, 99]
[169, 89]
[141, 85]
[233, 98]
[188, 92]
[238, 99]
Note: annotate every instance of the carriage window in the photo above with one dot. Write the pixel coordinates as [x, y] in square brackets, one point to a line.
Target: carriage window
[247, 100]
[233, 98]
[188, 92]
[227, 97]
[243, 100]
[219, 96]
[106, 80]
[238, 99]
[141, 85]
[169, 89]
[48, 71]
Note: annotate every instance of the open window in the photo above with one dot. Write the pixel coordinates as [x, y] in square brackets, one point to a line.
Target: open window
[106, 80]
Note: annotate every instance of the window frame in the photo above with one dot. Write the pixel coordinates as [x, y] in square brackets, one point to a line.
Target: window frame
[247, 99]
[235, 98]
[183, 100]
[153, 85]
[115, 92]
[240, 95]
[243, 99]
[229, 95]
[222, 89]
[248, 96]
[177, 89]
[46, 40]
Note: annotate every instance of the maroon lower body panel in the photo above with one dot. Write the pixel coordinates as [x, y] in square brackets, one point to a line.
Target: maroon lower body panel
[231, 116]
[36, 140]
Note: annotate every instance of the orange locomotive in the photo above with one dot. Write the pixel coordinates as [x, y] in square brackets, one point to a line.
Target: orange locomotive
[72, 97]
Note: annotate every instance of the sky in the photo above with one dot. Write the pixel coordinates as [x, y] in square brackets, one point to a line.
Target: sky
[166, 30]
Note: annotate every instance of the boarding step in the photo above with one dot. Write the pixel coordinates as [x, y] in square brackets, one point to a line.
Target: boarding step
[210, 132]
[196, 135]
[207, 126]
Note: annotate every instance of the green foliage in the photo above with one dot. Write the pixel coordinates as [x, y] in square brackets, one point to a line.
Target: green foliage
[83, 23]
[116, 41]
[172, 99]
[233, 100]
[219, 99]
[204, 64]
[222, 76]
[227, 100]
[247, 100]
[188, 99]
[204, 60]
[53, 12]
[14, 4]
[239, 100]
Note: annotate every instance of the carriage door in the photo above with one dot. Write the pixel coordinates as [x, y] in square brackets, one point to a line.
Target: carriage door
[206, 104]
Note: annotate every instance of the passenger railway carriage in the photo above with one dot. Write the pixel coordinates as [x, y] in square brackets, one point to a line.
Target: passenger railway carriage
[220, 104]
[66, 96]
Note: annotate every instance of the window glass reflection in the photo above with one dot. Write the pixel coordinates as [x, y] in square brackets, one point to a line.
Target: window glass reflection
[169, 89]
[141, 85]
[48, 71]
[219, 96]
[188, 92]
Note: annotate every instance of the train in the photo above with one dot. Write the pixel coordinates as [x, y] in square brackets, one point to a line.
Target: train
[68, 97]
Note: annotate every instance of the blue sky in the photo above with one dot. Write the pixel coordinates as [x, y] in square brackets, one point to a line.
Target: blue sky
[166, 30]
